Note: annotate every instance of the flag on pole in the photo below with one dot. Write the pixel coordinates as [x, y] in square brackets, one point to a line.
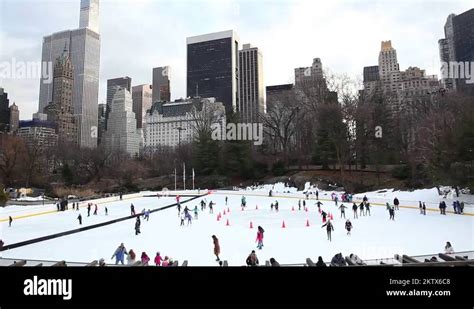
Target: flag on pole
[193, 178]
[184, 176]
[175, 179]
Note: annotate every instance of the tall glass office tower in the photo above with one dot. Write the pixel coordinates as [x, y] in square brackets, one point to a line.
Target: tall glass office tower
[84, 48]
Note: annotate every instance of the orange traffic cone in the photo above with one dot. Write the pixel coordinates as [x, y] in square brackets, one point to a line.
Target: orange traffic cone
[251, 225]
[227, 224]
[307, 222]
[292, 208]
[283, 225]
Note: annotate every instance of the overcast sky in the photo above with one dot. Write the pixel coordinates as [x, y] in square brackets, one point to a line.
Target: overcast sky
[138, 35]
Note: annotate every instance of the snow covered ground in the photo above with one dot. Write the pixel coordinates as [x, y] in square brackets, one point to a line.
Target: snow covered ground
[373, 236]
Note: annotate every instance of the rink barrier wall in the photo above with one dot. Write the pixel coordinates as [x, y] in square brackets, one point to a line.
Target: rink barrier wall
[90, 227]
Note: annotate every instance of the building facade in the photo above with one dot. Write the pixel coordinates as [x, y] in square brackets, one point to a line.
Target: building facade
[113, 85]
[173, 123]
[142, 101]
[251, 86]
[212, 67]
[84, 51]
[122, 134]
[4, 111]
[38, 133]
[307, 75]
[14, 118]
[60, 110]
[161, 84]
[101, 122]
[277, 92]
[463, 32]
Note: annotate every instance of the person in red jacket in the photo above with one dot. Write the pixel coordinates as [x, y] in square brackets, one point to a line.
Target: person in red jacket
[158, 259]
[145, 259]
[259, 239]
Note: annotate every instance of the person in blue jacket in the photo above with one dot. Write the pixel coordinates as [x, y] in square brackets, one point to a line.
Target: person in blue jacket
[119, 254]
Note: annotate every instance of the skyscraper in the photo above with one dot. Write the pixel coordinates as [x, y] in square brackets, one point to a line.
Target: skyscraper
[212, 67]
[112, 86]
[84, 51]
[389, 69]
[161, 84]
[14, 117]
[89, 17]
[463, 29]
[4, 111]
[122, 133]
[308, 75]
[60, 110]
[142, 101]
[101, 121]
[251, 87]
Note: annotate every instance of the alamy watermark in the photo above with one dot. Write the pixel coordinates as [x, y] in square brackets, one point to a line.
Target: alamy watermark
[238, 132]
[48, 287]
[458, 70]
[17, 69]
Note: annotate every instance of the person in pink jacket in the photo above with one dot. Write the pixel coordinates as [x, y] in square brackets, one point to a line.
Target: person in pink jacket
[145, 259]
[165, 262]
[260, 238]
[158, 259]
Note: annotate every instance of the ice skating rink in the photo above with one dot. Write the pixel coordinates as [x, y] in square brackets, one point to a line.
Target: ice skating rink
[372, 236]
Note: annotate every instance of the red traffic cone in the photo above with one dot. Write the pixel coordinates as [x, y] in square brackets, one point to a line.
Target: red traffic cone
[292, 208]
[224, 212]
[251, 225]
[227, 224]
[228, 209]
[256, 207]
[330, 216]
[218, 218]
[306, 209]
[283, 225]
[307, 222]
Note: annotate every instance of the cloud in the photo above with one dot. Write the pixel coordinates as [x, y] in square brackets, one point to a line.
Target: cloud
[138, 35]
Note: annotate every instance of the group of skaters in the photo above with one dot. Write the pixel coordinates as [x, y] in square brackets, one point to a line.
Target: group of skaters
[89, 208]
[121, 252]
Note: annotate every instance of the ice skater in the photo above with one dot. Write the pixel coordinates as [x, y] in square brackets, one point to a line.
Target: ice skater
[299, 205]
[317, 194]
[226, 200]
[421, 207]
[195, 212]
[319, 206]
[324, 214]
[354, 208]
[348, 227]
[329, 228]
[132, 210]
[336, 199]
[147, 215]
[424, 209]
[190, 219]
[396, 202]
[80, 219]
[367, 208]
[10, 220]
[137, 226]
[217, 247]
[89, 209]
[179, 209]
[271, 206]
[304, 204]
[95, 210]
[119, 254]
[259, 239]
[391, 211]
[243, 202]
[343, 210]
[182, 219]
[106, 211]
[361, 207]
[211, 208]
[203, 204]
[276, 206]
